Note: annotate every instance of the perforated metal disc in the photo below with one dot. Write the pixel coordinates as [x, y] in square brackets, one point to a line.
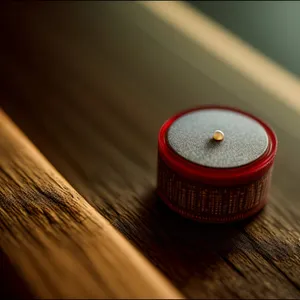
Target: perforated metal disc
[190, 136]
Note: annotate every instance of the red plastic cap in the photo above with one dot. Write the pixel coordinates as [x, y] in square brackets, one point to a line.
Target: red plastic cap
[217, 176]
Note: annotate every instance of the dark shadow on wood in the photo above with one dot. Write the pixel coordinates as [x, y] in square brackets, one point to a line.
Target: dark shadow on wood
[181, 243]
[11, 284]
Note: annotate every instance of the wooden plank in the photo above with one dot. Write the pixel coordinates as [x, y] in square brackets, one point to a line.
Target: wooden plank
[60, 246]
[95, 112]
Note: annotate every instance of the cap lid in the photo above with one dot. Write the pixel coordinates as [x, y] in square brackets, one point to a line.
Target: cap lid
[217, 138]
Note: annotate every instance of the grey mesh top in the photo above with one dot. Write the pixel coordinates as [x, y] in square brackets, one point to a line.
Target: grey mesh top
[191, 136]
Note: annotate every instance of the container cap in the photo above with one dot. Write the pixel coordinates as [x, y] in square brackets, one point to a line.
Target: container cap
[217, 138]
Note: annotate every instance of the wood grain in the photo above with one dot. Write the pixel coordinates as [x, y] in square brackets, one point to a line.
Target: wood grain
[60, 246]
[91, 91]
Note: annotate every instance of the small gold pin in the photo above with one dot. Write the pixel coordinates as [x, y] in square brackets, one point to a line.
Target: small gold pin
[218, 135]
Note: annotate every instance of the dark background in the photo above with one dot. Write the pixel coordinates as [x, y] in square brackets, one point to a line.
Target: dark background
[272, 27]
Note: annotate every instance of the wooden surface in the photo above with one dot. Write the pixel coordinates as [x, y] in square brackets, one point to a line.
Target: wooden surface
[57, 243]
[94, 110]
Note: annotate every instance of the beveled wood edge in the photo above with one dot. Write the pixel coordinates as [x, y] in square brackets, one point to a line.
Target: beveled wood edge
[143, 279]
[245, 66]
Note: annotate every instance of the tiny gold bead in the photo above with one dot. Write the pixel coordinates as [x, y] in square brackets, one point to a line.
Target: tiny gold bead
[218, 135]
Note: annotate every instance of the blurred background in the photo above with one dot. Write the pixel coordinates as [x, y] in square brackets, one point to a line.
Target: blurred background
[127, 66]
[272, 27]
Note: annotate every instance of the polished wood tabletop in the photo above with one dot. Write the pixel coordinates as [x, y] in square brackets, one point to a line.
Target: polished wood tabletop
[91, 93]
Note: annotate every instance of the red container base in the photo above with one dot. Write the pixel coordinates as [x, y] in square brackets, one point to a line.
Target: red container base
[213, 195]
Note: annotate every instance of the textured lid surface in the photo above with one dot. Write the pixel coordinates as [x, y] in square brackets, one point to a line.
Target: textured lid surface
[190, 136]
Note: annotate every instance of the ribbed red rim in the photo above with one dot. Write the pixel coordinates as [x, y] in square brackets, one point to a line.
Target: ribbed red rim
[217, 176]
